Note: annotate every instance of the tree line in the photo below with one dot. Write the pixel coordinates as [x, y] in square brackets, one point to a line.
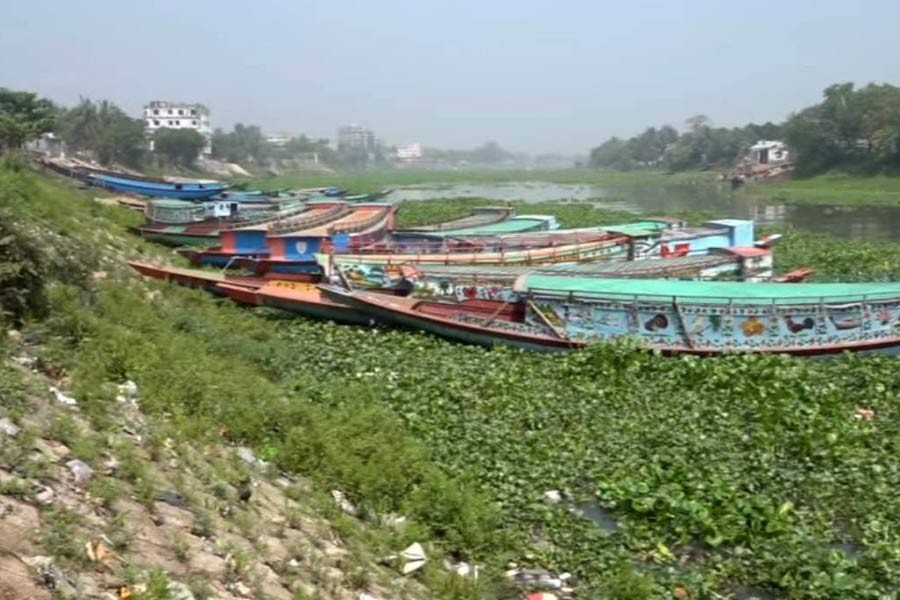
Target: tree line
[105, 132]
[852, 130]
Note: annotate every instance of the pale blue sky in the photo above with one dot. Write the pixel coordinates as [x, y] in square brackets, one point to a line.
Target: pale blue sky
[535, 76]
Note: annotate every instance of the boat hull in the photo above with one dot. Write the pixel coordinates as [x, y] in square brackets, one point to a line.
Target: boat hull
[158, 189]
[385, 310]
[553, 323]
[309, 301]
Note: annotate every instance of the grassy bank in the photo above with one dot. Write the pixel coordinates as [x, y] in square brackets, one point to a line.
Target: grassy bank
[704, 478]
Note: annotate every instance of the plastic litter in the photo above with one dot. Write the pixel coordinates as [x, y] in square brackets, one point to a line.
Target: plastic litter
[62, 397]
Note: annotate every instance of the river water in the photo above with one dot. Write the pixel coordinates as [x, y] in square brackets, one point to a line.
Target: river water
[858, 222]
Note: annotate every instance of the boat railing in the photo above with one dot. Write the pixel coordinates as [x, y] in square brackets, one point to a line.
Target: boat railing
[833, 302]
[337, 212]
[488, 244]
[268, 219]
[476, 218]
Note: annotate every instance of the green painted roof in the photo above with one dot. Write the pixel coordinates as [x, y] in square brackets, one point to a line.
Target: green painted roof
[637, 229]
[172, 203]
[513, 225]
[716, 292]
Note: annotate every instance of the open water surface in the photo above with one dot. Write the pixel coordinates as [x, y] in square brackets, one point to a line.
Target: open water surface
[857, 222]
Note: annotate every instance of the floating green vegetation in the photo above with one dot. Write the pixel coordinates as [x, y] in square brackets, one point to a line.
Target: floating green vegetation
[832, 189]
[377, 180]
[697, 477]
[569, 214]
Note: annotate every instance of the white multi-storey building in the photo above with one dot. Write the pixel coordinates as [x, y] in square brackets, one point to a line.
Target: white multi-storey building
[409, 152]
[160, 114]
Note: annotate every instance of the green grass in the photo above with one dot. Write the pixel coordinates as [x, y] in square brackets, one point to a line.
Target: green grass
[741, 472]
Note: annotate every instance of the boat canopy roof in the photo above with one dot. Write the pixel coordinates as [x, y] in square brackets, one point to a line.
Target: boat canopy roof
[707, 292]
[172, 203]
[519, 223]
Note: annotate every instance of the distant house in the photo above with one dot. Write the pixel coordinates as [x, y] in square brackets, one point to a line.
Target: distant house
[409, 152]
[279, 139]
[766, 159]
[766, 152]
[161, 114]
[48, 144]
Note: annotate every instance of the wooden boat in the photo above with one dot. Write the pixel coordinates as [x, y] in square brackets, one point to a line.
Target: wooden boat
[305, 299]
[210, 280]
[179, 223]
[460, 282]
[642, 239]
[675, 317]
[182, 190]
[250, 241]
[293, 248]
[82, 170]
[478, 217]
[513, 224]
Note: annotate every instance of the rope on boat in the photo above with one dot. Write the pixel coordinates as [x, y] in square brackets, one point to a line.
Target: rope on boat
[496, 313]
[546, 321]
[687, 334]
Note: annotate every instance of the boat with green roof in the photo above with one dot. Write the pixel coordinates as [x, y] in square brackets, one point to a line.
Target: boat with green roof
[555, 312]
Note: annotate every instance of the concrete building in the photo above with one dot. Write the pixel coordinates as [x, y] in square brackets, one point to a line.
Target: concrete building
[353, 138]
[409, 152]
[766, 159]
[279, 139]
[765, 152]
[160, 114]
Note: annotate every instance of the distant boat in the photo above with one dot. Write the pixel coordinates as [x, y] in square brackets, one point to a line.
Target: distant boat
[186, 190]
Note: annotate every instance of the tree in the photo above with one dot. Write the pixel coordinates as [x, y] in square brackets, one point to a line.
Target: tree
[245, 143]
[80, 125]
[23, 116]
[178, 146]
[103, 129]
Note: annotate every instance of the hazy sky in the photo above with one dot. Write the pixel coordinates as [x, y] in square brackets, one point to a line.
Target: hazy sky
[535, 76]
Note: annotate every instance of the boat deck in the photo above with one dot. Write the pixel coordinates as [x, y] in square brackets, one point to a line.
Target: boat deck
[359, 215]
[597, 269]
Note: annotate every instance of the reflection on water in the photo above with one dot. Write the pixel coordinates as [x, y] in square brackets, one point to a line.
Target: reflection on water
[601, 517]
[859, 222]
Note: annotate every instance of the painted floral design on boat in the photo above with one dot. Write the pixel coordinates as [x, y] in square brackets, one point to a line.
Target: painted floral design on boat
[753, 326]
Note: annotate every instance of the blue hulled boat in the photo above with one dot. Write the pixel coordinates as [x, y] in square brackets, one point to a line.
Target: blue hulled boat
[186, 190]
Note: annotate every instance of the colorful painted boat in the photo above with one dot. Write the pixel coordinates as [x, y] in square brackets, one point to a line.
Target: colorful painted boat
[514, 224]
[181, 190]
[250, 240]
[478, 217]
[179, 223]
[675, 317]
[642, 239]
[293, 248]
[461, 282]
